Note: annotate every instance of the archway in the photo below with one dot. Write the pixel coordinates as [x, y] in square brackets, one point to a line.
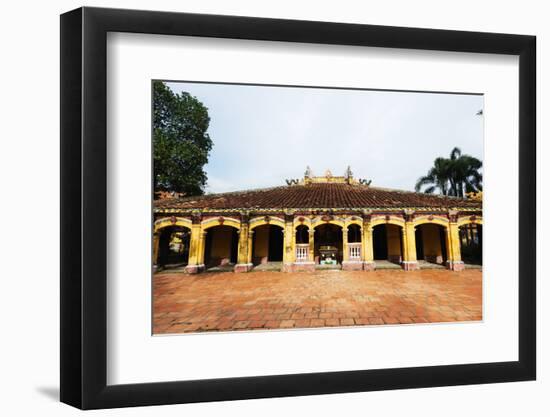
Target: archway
[328, 244]
[431, 243]
[354, 242]
[387, 243]
[471, 243]
[302, 234]
[267, 244]
[173, 250]
[302, 243]
[354, 233]
[221, 247]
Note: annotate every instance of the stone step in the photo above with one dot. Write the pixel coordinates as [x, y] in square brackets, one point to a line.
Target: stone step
[328, 266]
[268, 266]
[386, 265]
[430, 265]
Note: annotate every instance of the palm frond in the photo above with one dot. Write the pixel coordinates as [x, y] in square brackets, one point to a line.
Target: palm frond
[422, 181]
[455, 153]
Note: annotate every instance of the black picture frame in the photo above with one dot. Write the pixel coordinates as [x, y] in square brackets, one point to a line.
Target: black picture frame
[84, 207]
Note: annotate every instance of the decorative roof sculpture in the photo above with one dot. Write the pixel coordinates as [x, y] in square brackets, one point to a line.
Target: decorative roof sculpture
[313, 192]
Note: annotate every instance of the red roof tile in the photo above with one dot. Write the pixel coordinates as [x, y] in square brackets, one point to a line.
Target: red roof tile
[324, 195]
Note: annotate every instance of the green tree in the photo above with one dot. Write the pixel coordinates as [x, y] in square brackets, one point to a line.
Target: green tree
[454, 176]
[465, 176]
[181, 144]
[437, 178]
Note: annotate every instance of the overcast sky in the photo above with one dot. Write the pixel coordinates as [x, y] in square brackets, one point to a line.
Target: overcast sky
[263, 135]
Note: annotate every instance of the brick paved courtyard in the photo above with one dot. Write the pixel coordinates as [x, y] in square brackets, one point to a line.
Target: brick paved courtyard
[275, 300]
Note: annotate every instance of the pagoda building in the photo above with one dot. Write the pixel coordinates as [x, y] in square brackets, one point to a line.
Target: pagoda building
[318, 222]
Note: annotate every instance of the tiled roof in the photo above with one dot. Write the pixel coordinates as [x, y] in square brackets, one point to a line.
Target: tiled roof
[317, 196]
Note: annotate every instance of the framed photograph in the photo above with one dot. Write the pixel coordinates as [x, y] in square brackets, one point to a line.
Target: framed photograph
[257, 208]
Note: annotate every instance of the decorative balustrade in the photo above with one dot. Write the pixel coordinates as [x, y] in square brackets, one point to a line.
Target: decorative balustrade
[354, 251]
[302, 250]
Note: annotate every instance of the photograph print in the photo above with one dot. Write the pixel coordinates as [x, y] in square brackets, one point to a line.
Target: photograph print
[289, 207]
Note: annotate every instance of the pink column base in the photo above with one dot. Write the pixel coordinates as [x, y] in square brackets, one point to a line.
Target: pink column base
[194, 269]
[410, 265]
[369, 266]
[455, 265]
[352, 265]
[242, 268]
[303, 267]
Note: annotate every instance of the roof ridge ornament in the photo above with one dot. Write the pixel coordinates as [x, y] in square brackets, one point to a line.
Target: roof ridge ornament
[349, 173]
[328, 177]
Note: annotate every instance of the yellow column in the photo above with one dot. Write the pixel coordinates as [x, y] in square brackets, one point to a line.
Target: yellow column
[345, 248]
[311, 256]
[454, 256]
[195, 262]
[367, 251]
[292, 244]
[156, 241]
[449, 244]
[201, 248]
[242, 256]
[250, 239]
[409, 247]
[289, 244]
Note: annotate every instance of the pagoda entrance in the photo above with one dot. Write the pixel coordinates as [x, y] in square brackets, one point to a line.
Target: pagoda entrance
[328, 244]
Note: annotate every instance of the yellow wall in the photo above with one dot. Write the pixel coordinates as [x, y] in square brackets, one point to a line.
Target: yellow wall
[221, 243]
[394, 241]
[261, 243]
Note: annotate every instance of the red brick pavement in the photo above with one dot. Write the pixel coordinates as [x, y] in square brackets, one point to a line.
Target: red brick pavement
[276, 300]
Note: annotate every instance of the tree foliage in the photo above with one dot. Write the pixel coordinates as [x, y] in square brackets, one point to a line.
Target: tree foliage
[181, 144]
[454, 176]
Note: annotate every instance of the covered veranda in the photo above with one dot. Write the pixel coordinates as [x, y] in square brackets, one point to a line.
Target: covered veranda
[301, 243]
[318, 222]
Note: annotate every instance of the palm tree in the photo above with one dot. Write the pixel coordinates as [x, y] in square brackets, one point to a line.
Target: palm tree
[465, 176]
[453, 176]
[437, 177]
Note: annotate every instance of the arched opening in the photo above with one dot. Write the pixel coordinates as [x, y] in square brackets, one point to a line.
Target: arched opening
[267, 244]
[471, 244]
[328, 244]
[221, 248]
[431, 245]
[302, 243]
[387, 245]
[302, 234]
[354, 233]
[354, 242]
[173, 250]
